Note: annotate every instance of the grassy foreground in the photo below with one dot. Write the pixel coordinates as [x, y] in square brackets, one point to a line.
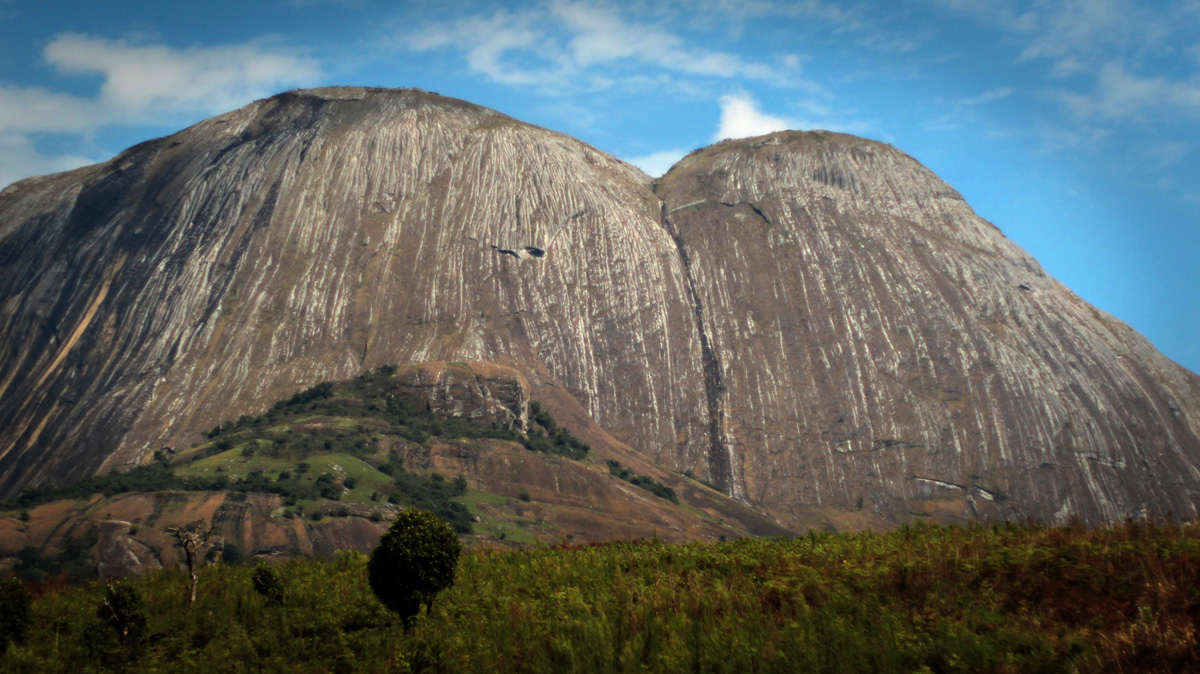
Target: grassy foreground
[922, 599]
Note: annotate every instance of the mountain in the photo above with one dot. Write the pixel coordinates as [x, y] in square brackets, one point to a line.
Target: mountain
[812, 322]
[327, 469]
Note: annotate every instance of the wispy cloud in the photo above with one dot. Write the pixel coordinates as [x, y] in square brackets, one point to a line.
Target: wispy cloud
[19, 159]
[866, 25]
[657, 163]
[565, 46]
[1084, 30]
[1102, 46]
[156, 79]
[488, 41]
[989, 96]
[1120, 94]
[600, 35]
[33, 109]
[139, 84]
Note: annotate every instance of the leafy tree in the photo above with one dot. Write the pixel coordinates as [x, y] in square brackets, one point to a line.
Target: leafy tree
[15, 612]
[124, 611]
[416, 559]
[268, 583]
[232, 554]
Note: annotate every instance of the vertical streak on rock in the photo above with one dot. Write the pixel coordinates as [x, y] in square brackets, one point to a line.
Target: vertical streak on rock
[720, 455]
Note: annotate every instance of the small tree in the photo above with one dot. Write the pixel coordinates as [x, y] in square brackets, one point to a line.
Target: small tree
[416, 559]
[190, 538]
[15, 612]
[268, 583]
[124, 611]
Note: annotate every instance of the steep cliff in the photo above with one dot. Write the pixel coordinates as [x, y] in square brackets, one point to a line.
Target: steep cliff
[314, 235]
[813, 322]
[872, 343]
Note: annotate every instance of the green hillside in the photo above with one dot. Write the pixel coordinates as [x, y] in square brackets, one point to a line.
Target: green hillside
[924, 599]
[324, 450]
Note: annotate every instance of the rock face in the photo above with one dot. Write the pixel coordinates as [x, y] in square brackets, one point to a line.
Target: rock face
[481, 391]
[813, 322]
[871, 342]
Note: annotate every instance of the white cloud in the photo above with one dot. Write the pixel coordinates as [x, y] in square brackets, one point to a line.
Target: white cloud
[989, 96]
[600, 35]
[1057, 136]
[868, 25]
[656, 164]
[742, 118]
[1089, 29]
[33, 109]
[1067, 67]
[565, 46]
[20, 159]
[158, 79]
[140, 84]
[1120, 94]
[148, 83]
[1116, 61]
[487, 41]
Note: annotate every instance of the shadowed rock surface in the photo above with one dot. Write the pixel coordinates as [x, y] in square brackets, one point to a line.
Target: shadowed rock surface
[813, 322]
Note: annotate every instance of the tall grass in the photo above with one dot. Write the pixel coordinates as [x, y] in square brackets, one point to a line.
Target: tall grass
[921, 599]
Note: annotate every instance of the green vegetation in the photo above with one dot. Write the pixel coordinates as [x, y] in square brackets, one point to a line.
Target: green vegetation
[268, 583]
[416, 559]
[73, 560]
[1002, 599]
[546, 436]
[15, 610]
[338, 443]
[642, 481]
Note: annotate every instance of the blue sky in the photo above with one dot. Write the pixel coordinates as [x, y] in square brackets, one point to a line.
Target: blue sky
[1073, 125]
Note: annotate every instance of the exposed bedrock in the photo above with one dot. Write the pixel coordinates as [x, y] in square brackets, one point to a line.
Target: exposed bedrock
[882, 347]
[809, 321]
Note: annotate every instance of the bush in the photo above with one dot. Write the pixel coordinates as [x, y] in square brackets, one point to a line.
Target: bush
[642, 481]
[416, 559]
[125, 612]
[15, 612]
[233, 554]
[268, 583]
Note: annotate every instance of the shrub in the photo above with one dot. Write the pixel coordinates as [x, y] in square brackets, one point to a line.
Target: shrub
[233, 554]
[268, 583]
[416, 559]
[642, 481]
[125, 612]
[15, 612]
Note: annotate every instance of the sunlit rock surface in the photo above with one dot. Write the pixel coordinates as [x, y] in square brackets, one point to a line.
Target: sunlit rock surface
[813, 322]
[879, 346]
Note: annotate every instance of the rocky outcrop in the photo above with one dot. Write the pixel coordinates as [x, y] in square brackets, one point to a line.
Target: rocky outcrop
[314, 235]
[871, 343]
[482, 391]
[813, 322]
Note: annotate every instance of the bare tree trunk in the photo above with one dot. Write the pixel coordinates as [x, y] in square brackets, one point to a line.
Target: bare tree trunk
[192, 575]
[190, 541]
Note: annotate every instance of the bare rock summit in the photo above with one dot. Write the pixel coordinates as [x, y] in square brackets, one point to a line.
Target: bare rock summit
[815, 323]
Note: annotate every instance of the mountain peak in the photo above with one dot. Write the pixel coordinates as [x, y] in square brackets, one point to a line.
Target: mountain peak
[813, 322]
